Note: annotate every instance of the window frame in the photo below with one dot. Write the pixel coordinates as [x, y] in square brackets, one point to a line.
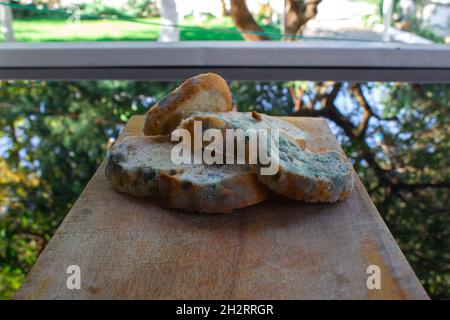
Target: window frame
[235, 60]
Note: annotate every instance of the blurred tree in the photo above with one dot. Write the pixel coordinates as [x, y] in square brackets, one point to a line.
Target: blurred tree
[54, 135]
[244, 21]
[297, 14]
[400, 151]
[224, 9]
[397, 137]
[52, 138]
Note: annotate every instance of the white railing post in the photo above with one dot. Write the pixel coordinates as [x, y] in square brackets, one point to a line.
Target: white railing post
[169, 16]
[6, 19]
[388, 6]
[282, 11]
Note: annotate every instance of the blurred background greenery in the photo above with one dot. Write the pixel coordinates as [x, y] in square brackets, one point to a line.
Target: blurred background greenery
[53, 136]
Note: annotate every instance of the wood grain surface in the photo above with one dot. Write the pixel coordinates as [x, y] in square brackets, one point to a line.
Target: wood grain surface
[130, 248]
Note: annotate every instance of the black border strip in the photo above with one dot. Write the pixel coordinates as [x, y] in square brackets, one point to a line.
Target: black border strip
[253, 73]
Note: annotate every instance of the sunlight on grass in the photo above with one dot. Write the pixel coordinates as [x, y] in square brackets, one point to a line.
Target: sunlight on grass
[43, 30]
[90, 30]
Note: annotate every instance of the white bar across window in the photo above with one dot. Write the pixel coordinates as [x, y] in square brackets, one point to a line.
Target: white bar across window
[308, 60]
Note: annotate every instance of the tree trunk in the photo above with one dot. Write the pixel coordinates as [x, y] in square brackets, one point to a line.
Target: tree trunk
[225, 12]
[244, 21]
[297, 14]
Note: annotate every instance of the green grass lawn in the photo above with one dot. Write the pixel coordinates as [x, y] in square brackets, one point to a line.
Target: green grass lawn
[43, 30]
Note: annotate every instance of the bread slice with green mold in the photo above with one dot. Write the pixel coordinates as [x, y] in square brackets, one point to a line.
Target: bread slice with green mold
[318, 177]
[142, 166]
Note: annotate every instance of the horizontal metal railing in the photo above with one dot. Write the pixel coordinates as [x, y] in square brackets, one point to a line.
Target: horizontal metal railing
[267, 60]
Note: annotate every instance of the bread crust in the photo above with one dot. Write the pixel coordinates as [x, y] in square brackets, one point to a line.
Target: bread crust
[303, 188]
[234, 193]
[165, 116]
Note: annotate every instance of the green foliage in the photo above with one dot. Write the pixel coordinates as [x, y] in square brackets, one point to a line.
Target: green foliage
[45, 9]
[53, 136]
[132, 9]
[141, 8]
[420, 152]
[10, 281]
[417, 28]
[36, 4]
[410, 139]
[270, 98]
[413, 23]
[99, 8]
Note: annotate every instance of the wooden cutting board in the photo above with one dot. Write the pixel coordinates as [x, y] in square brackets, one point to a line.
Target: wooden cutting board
[280, 249]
